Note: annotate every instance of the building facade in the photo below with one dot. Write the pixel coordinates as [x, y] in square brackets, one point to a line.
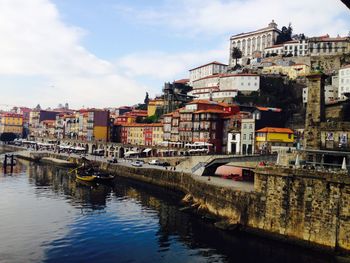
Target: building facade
[344, 81]
[224, 87]
[206, 70]
[98, 125]
[255, 41]
[143, 134]
[270, 139]
[11, 123]
[248, 136]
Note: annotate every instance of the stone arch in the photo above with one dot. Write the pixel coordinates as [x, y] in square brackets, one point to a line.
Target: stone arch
[258, 43]
[243, 46]
[121, 152]
[93, 148]
[239, 44]
[253, 44]
[263, 42]
[249, 45]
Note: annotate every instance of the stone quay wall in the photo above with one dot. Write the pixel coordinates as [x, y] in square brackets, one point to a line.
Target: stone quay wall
[308, 207]
[311, 206]
[305, 207]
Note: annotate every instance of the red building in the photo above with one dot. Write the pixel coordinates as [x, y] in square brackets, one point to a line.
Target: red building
[201, 123]
[131, 117]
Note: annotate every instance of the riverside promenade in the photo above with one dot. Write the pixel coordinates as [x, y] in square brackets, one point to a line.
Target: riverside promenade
[62, 159]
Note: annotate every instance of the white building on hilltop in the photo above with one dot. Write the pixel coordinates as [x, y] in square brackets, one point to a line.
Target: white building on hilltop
[206, 70]
[344, 81]
[255, 41]
[225, 87]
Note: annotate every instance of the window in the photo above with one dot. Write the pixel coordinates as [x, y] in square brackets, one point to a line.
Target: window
[244, 136]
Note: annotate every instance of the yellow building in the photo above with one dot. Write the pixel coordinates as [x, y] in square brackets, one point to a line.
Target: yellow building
[98, 123]
[147, 134]
[153, 105]
[293, 71]
[135, 134]
[157, 134]
[298, 70]
[270, 138]
[11, 123]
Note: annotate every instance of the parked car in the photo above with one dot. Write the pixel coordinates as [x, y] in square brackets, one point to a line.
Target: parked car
[164, 164]
[136, 164]
[154, 162]
[113, 160]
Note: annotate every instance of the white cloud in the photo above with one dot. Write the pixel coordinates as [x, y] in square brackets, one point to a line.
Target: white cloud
[214, 17]
[36, 43]
[169, 66]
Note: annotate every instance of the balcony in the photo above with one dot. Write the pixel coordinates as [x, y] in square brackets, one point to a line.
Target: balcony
[335, 146]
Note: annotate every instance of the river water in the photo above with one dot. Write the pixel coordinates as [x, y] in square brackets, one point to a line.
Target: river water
[46, 216]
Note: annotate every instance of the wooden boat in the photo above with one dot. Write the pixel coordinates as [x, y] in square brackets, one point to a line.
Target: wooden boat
[86, 178]
[90, 175]
[104, 177]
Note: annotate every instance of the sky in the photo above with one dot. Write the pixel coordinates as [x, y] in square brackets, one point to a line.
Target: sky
[93, 53]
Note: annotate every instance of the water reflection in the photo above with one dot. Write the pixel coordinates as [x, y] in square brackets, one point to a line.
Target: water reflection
[128, 222]
[61, 182]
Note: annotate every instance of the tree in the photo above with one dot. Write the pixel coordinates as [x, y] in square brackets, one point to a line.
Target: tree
[236, 54]
[146, 100]
[285, 35]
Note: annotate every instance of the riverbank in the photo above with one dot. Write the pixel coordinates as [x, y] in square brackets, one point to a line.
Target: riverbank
[293, 206]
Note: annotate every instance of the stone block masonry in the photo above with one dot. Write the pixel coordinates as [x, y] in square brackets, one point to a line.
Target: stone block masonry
[310, 206]
[302, 206]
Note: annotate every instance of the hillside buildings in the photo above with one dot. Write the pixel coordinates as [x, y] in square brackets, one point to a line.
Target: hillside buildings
[211, 82]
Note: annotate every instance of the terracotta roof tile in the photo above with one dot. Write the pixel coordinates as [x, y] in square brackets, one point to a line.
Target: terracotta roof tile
[214, 62]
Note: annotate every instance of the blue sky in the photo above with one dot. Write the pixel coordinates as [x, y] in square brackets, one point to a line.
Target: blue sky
[109, 53]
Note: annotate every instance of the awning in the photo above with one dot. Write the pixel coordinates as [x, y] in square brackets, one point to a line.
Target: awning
[131, 153]
[65, 147]
[79, 148]
[147, 150]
